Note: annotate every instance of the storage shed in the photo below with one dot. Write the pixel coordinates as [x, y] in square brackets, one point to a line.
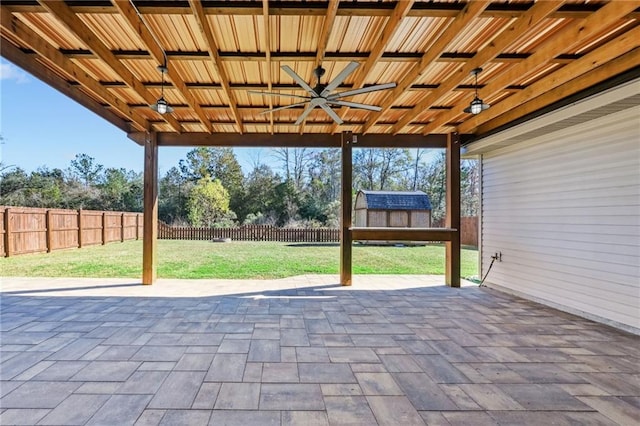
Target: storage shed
[402, 209]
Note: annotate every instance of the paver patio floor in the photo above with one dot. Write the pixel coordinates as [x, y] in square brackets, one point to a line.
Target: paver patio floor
[391, 350]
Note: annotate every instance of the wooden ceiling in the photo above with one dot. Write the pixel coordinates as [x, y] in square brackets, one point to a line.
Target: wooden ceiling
[104, 55]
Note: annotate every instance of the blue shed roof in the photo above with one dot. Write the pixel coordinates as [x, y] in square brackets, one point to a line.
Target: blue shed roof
[397, 200]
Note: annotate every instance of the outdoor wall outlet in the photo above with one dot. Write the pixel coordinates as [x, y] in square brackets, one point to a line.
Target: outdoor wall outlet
[497, 256]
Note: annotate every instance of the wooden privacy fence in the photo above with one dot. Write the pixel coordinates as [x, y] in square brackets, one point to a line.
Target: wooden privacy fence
[250, 233]
[468, 233]
[32, 230]
[468, 230]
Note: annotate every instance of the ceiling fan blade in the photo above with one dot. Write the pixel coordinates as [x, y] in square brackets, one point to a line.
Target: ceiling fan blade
[340, 78]
[299, 80]
[331, 113]
[362, 90]
[267, 111]
[304, 115]
[277, 94]
[354, 105]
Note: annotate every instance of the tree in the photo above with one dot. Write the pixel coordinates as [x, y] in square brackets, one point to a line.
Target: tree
[259, 192]
[394, 162]
[45, 188]
[380, 169]
[13, 183]
[217, 163]
[325, 176]
[85, 169]
[433, 182]
[172, 197]
[469, 187]
[417, 160]
[208, 203]
[286, 202]
[121, 189]
[294, 163]
[42, 188]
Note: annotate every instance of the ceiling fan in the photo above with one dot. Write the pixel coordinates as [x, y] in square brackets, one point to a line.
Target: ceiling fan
[321, 95]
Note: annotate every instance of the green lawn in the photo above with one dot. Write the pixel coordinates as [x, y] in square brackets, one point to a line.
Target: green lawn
[203, 259]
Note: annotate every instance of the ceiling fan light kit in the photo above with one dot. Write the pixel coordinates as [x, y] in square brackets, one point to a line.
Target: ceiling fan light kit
[477, 105]
[161, 106]
[321, 95]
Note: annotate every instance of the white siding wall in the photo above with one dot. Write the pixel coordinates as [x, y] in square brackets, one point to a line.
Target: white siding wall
[564, 210]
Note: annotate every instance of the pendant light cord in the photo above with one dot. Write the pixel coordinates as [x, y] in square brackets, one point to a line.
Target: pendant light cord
[476, 85]
[146, 24]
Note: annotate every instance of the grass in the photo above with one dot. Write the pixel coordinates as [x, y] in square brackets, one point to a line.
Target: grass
[203, 259]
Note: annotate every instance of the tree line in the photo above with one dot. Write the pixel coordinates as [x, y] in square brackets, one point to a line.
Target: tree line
[300, 187]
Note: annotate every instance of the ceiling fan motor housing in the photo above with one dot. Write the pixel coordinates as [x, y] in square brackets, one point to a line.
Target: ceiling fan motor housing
[319, 72]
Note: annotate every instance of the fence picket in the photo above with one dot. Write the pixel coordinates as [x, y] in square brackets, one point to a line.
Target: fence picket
[249, 233]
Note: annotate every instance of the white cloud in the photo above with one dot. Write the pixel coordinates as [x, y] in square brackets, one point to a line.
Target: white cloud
[11, 72]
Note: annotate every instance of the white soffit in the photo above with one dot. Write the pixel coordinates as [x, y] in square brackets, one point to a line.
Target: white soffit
[614, 100]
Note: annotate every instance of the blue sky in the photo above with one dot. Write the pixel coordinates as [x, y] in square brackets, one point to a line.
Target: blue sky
[42, 127]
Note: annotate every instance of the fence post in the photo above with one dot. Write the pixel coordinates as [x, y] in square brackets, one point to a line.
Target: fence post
[137, 226]
[7, 232]
[47, 224]
[79, 228]
[104, 228]
[122, 227]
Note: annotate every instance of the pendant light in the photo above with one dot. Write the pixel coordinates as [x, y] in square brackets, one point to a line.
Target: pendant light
[161, 106]
[476, 106]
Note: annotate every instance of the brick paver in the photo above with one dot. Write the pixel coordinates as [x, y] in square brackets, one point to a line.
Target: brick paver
[389, 350]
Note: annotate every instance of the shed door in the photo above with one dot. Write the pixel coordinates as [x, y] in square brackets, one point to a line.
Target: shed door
[420, 219]
[399, 219]
[377, 218]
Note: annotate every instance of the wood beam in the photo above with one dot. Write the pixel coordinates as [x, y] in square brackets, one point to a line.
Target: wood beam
[212, 46]
[138, 137]
[150, 210]
[452, 214]
[294, 140]
[73, 23]
[403, 234]
[615, 67]
[284, 126]
[567, 74]
[501, 41]
[35, 68]
[288, 8]
[609, 51]
[266, 37]
[571, 35]
[11, 25]
[346, 242]
[325, 33]
[393, 23]
[438, 44]
[226, 56]
[137, 24]
[221, 108]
